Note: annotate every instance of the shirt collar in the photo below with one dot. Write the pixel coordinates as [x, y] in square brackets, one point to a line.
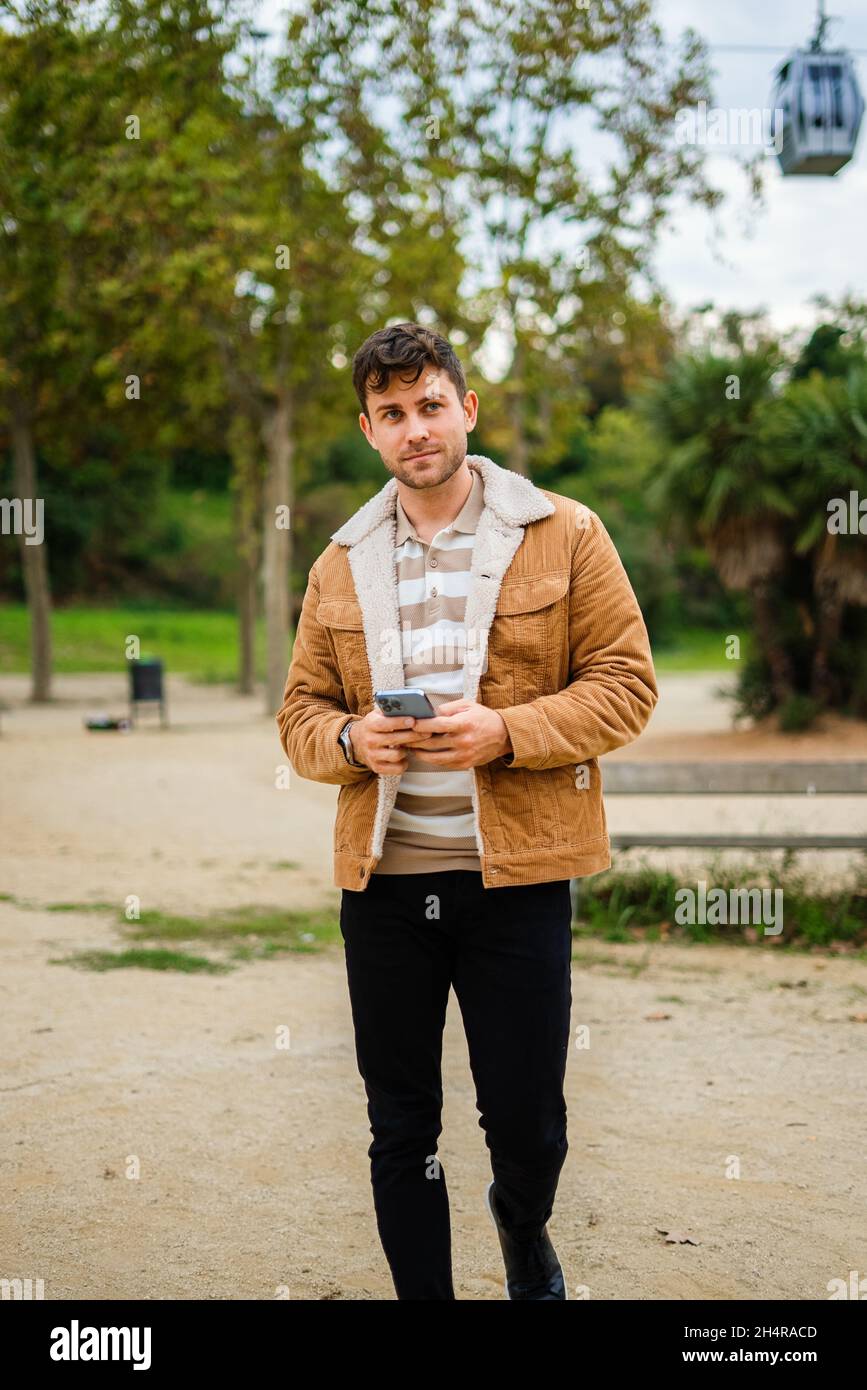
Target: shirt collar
[466, 520]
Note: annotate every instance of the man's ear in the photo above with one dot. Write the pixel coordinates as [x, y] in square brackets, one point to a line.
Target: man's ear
[365, 428]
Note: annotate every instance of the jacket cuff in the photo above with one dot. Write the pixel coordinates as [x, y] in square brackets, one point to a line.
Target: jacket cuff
[362, 770]
[525, 732]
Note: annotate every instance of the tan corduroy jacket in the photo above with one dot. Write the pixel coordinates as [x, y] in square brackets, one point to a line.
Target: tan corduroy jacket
[564, 657]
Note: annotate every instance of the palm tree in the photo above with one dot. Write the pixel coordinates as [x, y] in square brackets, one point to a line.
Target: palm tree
[715, 485]
[817, 429]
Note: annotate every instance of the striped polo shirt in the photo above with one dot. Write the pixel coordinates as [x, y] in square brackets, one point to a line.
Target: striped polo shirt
[432, 825]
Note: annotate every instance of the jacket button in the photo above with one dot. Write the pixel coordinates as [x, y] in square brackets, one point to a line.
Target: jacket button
[361, 871]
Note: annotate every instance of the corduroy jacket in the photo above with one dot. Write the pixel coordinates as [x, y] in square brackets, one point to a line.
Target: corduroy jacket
[566, 660]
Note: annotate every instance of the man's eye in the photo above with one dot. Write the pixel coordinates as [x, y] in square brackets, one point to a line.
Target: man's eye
[437, 405]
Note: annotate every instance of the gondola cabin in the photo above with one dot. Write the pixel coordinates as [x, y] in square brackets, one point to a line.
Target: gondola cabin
[822, 106]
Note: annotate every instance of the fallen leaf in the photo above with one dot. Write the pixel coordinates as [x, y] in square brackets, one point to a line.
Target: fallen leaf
[677, 1237]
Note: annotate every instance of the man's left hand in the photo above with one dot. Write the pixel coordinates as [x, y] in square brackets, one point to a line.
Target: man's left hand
[461, 734]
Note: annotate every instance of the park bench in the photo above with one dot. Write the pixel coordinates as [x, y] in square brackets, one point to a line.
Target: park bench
[735, 779]
[730, 779]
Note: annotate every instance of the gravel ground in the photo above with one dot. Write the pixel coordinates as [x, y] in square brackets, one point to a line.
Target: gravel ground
[157, 1144]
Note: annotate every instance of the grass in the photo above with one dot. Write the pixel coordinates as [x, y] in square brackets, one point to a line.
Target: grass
[636, 905]
[640, 904]
[291, 930]
[29, 905]
[240, 934]
[142, 960]
[200, 644]
[696, 650]
[76, 907]
[204, 644]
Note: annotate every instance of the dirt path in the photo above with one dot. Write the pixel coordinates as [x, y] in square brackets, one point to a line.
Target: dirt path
[253, 1166]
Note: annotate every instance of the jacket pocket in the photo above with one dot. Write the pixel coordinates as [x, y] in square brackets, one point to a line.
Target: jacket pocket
[529, 634]
[342, 618]
[569, 803]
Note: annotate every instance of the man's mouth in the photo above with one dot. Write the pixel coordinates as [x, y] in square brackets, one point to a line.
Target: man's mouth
[426, 455]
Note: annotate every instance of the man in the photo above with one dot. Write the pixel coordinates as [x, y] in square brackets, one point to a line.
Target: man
[456, 836]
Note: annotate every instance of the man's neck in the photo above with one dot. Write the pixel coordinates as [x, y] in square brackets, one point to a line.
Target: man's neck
[430, 509]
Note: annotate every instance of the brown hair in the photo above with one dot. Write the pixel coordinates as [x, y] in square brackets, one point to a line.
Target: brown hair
[405, 348]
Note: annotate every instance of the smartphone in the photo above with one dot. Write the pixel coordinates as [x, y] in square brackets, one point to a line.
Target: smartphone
[413, 704]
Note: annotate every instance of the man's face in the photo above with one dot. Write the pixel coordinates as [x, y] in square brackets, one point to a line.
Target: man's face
[420, 430]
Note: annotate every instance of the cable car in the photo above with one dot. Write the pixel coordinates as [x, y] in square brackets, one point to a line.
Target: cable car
[821, 103]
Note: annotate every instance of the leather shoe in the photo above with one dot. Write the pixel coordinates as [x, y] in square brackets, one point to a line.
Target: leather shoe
[532, 1268]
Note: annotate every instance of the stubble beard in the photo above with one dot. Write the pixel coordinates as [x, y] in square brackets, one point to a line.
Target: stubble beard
[448, 462]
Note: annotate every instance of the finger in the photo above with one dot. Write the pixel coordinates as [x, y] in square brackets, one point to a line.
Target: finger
[381, 721]
[391, 738]
[435, 725]
[392, 755]
[454, 705]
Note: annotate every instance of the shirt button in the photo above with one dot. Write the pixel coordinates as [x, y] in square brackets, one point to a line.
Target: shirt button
[433, 593]
[434, 564]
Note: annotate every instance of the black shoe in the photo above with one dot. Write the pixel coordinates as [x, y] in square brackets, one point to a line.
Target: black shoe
[532, 1270]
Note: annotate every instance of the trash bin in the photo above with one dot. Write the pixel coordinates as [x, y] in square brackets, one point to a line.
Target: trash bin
[146, 685]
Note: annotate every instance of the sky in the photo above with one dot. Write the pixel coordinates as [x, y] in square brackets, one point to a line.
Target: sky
[809, 237]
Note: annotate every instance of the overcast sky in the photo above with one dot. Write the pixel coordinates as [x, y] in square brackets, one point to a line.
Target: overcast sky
[810, 237]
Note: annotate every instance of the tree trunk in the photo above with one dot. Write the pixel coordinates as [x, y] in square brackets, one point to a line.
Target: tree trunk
[246, 598]
[248, 503]
[34, 557]
[518, 452]
[277, 544]
[779, 660]
[829, 617]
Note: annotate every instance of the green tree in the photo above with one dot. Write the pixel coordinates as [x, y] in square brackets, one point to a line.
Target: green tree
[712, 483]
[241, 282]
[757, 468]
[817, 432]
[50, 121]
[499, 91]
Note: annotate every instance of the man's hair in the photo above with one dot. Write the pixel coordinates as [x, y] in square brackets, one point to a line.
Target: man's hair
[405, 348]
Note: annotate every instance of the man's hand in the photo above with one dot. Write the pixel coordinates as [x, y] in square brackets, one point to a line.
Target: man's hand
[462, 734]
[377, 741]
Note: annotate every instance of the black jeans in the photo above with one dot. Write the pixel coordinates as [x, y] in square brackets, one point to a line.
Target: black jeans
[507, 951]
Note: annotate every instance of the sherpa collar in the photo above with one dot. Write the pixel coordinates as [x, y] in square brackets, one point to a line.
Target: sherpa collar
[513, 499]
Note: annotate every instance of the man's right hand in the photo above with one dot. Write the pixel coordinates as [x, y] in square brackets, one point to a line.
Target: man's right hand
[376, 741]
